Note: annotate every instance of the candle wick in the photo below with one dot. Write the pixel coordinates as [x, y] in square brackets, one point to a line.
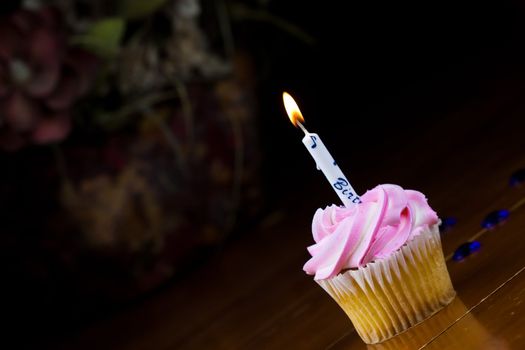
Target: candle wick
[302, 127]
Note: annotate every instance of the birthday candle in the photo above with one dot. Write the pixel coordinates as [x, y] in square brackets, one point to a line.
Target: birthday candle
[324, 160]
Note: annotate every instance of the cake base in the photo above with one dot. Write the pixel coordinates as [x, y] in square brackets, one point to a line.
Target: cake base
[388, 296]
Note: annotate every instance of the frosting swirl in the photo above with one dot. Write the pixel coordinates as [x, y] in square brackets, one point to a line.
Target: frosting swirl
[387, 218]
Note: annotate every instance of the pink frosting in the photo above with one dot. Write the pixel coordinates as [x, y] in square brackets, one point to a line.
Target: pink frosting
[387, 218]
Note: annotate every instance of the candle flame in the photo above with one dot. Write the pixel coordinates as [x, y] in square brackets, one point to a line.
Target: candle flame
[293, 111]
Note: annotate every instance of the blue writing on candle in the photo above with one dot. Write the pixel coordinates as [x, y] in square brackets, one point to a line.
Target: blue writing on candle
[314, 139]
[342, 185]
[327, 164]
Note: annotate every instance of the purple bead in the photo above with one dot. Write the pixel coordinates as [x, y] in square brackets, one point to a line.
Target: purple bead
[494, 218]
[465, 250]
[447, 223]
[518, 177]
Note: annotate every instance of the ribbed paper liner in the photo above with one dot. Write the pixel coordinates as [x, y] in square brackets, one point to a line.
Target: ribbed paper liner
[388, 296]
[419, 335]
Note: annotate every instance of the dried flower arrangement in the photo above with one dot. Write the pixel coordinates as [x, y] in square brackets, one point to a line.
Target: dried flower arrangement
[127, 141]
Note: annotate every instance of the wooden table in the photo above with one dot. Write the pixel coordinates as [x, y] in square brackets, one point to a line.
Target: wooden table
[254, 295]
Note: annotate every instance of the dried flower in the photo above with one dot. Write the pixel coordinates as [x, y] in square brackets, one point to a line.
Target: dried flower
[116, 212]
[40, 78]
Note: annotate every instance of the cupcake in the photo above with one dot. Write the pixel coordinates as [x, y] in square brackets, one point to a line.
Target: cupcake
[381, 261]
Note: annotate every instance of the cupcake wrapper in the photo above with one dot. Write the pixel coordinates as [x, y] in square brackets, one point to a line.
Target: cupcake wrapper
[388, 296]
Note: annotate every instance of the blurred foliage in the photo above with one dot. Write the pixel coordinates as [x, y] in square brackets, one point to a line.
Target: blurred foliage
[104, 37]
[134, 9]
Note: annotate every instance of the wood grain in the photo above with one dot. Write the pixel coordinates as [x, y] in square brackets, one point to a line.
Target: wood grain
[496, 323]
[254, 294]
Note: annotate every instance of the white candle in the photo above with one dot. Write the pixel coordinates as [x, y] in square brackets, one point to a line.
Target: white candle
[324, 160]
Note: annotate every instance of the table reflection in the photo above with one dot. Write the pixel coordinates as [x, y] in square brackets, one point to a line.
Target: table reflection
[437, 332]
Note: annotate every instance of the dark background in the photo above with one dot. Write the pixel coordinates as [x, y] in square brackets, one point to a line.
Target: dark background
[378, 73]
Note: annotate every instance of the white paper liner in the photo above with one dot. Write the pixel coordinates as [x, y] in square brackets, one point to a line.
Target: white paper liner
[388, 296]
